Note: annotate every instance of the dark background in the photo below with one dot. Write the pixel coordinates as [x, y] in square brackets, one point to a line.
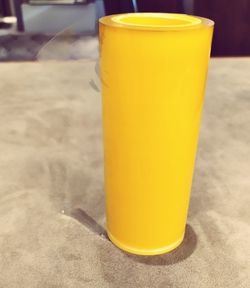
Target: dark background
[232, 19]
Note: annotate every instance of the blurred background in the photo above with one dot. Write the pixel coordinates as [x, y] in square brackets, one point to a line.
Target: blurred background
[68, 28]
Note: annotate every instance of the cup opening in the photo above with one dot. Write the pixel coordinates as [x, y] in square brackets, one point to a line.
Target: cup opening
[156, 20]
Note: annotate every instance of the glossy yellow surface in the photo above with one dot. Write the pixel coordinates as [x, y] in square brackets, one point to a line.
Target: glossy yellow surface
[153, 71]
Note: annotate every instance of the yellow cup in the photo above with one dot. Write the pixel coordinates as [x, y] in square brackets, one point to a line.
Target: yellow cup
[153, 73]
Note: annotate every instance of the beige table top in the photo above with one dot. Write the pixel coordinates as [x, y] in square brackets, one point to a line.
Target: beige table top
[51, 185]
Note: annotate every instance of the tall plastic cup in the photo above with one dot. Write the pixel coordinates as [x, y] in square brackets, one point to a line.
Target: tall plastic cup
[153, 74]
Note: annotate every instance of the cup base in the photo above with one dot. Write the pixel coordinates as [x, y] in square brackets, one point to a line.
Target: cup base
[137, 251]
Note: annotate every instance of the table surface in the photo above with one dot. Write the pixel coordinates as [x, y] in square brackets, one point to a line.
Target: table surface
[51, 185]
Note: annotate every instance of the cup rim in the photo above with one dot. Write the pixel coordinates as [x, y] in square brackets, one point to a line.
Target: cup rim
[156, 21]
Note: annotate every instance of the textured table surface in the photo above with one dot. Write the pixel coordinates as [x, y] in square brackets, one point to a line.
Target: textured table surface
[51, 185]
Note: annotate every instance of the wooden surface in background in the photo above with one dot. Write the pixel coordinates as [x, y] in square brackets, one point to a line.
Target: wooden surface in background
[170, 6]
[232, 19]
[118, 6]
[125, 6]
[232, 25]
